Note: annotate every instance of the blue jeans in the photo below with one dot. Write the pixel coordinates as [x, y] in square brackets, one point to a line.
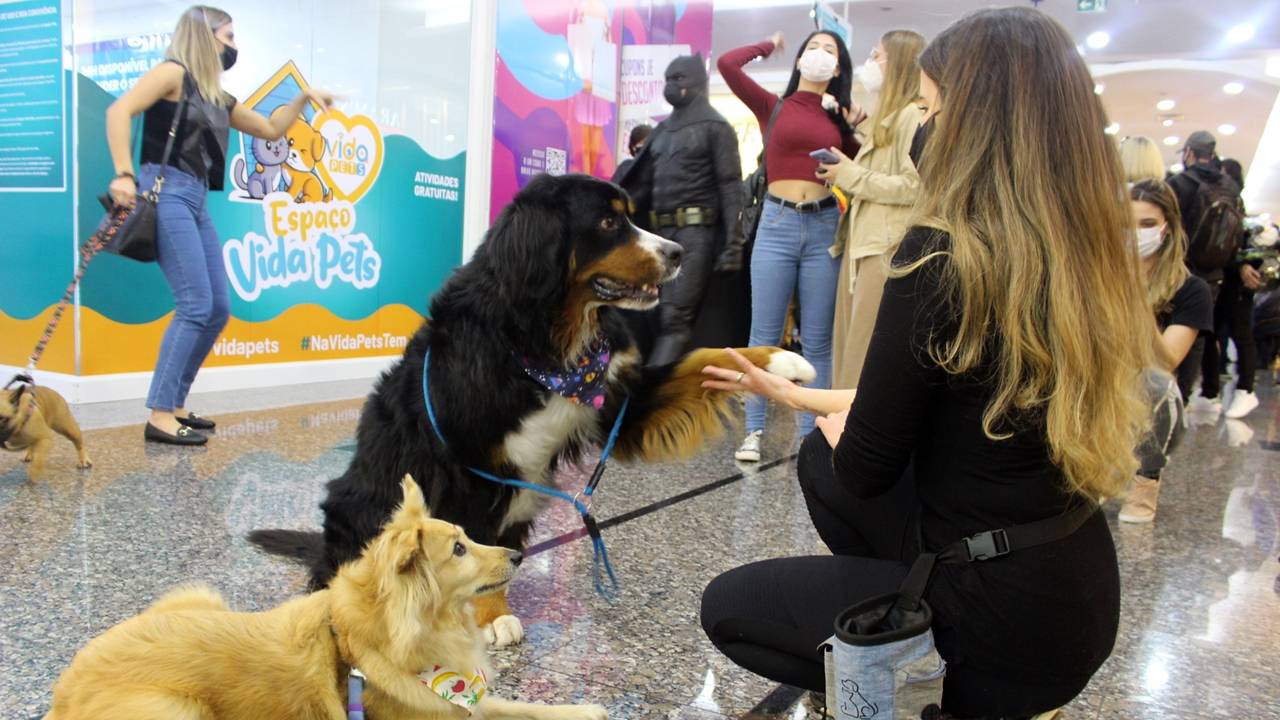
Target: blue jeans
[793, 247]
[190, 255]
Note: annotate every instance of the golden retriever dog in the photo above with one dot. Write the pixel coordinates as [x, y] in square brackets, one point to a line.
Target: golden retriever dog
[401, 614]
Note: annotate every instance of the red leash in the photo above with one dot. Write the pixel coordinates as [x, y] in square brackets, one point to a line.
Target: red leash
[91, 247]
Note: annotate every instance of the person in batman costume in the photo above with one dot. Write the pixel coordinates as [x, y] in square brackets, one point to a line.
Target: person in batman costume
[687, 186]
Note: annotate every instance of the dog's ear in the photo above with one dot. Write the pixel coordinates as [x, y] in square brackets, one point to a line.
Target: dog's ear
[317, 146]
[528, 250]
[412, 500]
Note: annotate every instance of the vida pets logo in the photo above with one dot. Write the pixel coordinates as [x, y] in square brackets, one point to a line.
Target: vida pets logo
[307, 183]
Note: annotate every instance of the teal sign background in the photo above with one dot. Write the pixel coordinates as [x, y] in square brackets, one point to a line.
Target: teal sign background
[32, 110]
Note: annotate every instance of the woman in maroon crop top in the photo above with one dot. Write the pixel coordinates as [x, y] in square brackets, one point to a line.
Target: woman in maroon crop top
[798, 224]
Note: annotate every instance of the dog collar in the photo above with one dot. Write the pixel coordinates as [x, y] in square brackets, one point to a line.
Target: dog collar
[584, 383]
[459, 688]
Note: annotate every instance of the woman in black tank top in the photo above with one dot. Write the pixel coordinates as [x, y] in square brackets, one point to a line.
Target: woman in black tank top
[188, 248]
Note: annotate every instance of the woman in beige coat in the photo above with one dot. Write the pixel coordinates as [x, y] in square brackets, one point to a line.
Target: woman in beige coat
[881, 183]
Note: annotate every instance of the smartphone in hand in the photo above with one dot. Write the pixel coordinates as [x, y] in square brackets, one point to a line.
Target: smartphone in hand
[825, 156]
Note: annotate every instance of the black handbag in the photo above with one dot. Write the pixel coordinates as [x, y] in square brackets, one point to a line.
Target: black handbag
[756, 186]
[133, 235]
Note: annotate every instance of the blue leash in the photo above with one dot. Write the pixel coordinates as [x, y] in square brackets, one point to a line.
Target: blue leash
[601, 555]
[355, 695]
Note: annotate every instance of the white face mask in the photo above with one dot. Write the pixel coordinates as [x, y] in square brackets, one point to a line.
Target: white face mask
[871, 75]
[817, 65]
[1267, 238]
[1149, 241]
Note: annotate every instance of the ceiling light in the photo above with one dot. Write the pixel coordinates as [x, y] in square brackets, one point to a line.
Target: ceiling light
[1227, 129]
[1172, 140]
[1101, 39]
[1168, 122]
[1165, 105]
[1113, 128]
[1098, 88]
[1177, 168]
[450, 138]
[1233, 88]
[1240, 34]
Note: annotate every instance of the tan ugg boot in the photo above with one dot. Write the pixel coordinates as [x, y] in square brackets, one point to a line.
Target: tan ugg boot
[1140, 505]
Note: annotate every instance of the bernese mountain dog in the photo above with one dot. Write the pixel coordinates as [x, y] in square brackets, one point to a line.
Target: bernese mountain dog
[530, 361]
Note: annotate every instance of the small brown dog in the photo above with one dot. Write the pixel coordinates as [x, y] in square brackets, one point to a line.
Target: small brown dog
[24, 426]
[401, 613]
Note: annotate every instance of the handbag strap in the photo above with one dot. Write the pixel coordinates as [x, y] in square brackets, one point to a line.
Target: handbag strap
[768, 130]
[178, 113]
[990, 544]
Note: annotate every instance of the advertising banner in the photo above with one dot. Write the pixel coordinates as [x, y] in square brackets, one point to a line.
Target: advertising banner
[334, 236]
[117, 65]
[32, 146]
[574, 77]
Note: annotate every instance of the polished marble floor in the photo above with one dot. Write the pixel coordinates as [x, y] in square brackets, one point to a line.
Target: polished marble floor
[81, 550]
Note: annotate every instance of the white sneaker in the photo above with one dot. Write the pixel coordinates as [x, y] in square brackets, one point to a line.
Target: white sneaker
[1203, 405]
[1242, 403]
[749, 451]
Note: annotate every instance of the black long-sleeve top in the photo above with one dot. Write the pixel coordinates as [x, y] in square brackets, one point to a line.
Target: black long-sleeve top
[1049, 611]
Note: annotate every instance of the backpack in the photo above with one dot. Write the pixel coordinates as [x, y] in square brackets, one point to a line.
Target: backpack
[1216, 235]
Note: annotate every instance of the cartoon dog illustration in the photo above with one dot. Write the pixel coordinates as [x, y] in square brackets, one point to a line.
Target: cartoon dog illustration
[271, 156]
[306, 148]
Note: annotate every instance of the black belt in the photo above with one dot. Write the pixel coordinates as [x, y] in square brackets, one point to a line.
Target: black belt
[804, 207]
[684, 217]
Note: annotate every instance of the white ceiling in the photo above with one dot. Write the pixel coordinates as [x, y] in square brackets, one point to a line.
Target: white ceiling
[1175, 49]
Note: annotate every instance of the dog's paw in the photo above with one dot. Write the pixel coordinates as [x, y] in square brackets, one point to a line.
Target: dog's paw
[85, 464]
[505, 630]
[587, 712]
[791, 366]
[28, 458]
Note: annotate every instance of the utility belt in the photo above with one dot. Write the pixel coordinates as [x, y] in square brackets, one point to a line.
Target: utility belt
[881, 658]
[809, 206]
[684, 217]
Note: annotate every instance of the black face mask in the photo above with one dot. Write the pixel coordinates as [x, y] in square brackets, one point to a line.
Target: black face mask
[228, 56]
[918, 141]
[686, 72]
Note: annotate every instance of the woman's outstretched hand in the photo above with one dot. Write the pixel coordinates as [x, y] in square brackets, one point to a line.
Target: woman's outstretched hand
[749, 378]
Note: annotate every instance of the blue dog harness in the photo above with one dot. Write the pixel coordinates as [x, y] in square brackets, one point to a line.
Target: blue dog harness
[601, 555]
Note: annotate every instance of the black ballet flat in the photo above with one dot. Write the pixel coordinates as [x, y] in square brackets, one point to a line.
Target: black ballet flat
[184, 436]
[195, 422]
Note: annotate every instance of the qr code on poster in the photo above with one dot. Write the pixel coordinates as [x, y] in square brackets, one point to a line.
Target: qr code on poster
[557, 161]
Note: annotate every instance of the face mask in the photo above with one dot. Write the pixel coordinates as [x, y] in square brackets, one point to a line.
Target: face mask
[1267, 238]
[1149, 241]
[228, 56]
[918, 141]
[817, 65]
[871, 75]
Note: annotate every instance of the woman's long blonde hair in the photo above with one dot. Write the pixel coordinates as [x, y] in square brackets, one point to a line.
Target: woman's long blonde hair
[1170, 269]
[1140, 157]
[1042, 256]
[901, 80]
[199, 51]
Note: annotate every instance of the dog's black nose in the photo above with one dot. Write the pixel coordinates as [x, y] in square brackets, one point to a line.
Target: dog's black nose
[517, 558]
[672, 252]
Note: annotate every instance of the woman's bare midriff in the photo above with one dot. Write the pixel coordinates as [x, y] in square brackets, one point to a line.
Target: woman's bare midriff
[799, 190]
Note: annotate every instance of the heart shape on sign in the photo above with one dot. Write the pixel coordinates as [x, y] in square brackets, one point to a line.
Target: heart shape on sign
[352, 153]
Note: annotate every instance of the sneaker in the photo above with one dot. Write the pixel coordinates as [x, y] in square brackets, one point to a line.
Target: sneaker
[1202, 405]
[749, 451]
[1140, 506]
[1242, 403]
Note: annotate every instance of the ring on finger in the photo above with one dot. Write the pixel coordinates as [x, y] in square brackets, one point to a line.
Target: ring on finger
[739, 378]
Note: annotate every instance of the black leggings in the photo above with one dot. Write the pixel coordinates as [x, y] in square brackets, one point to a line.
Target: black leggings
[770, 617]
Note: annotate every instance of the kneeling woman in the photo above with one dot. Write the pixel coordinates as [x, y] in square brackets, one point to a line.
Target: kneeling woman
[1183, 308]
[1002, 387]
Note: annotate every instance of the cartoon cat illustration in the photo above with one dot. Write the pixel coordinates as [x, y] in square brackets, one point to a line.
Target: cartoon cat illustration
[271, 156]
[306, 148]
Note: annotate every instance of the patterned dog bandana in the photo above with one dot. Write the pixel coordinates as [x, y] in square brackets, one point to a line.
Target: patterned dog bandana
[456, 687]
[583, 383]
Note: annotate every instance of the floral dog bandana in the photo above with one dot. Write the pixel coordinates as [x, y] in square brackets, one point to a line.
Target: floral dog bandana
[458, 688]
[583, 383]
